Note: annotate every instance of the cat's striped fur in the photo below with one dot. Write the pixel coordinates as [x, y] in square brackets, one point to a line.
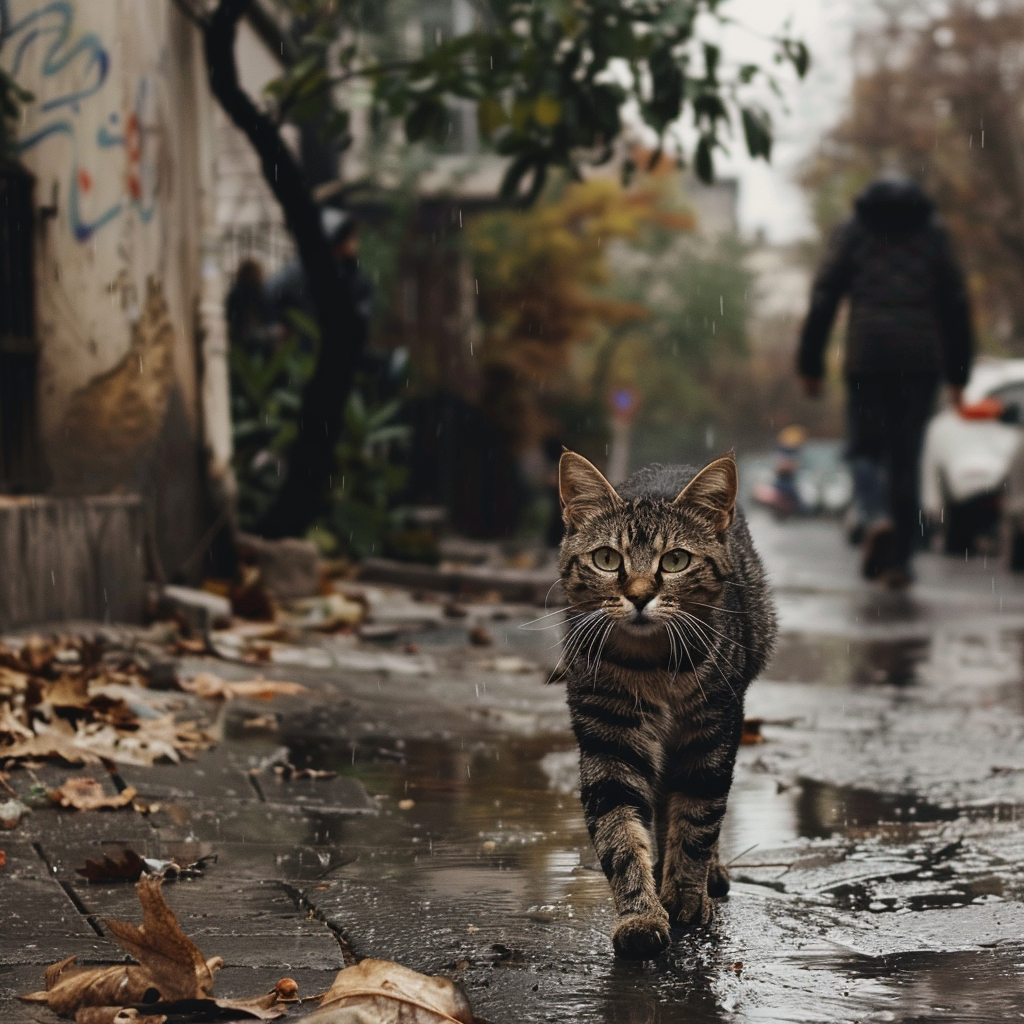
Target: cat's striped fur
[658, 659]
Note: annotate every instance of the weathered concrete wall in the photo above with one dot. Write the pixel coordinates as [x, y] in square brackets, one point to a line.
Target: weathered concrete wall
[113, 139]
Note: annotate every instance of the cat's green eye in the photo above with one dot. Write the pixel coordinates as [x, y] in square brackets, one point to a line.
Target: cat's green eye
[607, 559]
[675, 561]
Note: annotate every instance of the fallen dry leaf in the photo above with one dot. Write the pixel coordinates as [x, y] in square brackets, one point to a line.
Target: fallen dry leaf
[10, 727]
[164, 951]
[752, 731]
[68, 987]
[206, 684]
[126, 868]
[50, 745]
[388, 993]
[115, 1015]
[85, 794]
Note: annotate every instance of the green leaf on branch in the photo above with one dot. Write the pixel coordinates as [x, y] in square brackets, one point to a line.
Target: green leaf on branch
[797, 54]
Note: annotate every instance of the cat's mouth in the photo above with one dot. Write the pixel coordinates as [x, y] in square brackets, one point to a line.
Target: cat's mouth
[641, 622]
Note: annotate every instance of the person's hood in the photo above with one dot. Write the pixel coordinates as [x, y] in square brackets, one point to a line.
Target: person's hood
[893, 205]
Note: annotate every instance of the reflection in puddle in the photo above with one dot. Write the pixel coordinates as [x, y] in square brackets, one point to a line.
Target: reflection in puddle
[488, 876]
[837, 661]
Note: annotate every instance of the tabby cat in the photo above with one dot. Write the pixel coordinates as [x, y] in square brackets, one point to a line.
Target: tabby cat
[670, 619]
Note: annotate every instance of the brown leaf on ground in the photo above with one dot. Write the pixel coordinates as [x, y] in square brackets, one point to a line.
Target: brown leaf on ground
[11, 728]
[50, 745]
[68, 692]
[85, 794]
[12, 681]
[752, 731]
[68, 987]
[171, 977]
[387, 993]
[153, 739]
[126, 868]
[167, 954]
[206, 684]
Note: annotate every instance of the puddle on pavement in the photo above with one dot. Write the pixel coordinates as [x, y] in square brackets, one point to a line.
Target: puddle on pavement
[494, 842]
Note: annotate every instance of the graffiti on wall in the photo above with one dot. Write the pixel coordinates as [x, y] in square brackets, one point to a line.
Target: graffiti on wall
[42, 45]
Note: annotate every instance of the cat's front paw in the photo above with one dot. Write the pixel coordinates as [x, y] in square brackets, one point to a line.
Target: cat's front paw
[641, 936]
[688, 907]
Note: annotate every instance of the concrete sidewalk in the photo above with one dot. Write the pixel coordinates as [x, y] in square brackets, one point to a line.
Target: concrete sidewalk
[876, 854]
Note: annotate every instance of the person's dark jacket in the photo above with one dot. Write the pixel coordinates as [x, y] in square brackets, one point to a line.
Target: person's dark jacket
[909, 311]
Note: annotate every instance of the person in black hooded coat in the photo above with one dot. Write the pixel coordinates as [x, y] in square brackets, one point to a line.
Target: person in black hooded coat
[909, 328]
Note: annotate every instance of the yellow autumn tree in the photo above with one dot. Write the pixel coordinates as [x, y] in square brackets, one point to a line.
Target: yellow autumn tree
[541, 272]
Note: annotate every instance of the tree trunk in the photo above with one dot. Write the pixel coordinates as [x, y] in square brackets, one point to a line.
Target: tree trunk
[342, 331]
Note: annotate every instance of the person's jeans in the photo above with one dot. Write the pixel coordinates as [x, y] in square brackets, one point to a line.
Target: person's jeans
[887, 415]
[870, 490]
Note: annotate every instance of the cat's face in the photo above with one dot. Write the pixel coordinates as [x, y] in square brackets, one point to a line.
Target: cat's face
[645, 562]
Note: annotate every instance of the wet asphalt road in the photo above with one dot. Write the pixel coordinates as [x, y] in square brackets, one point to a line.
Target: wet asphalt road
[877, 860]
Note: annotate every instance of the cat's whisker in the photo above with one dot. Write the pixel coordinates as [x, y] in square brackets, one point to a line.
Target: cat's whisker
[729, 639]
[548, 594]
[716, 608]
[695, 624]
[693, 668]
[580, 634]
[548, 615]
[600, 650]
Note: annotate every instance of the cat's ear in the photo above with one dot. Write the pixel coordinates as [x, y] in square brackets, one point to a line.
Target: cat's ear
[714, 489]
[583, 490]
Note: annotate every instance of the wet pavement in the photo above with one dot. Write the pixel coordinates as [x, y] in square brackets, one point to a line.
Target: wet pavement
[876, 856]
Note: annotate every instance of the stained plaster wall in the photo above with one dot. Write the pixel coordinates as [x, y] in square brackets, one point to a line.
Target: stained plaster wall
[113, 137]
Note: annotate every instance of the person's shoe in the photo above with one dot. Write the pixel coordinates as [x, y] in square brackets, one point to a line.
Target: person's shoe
[897, 579]
[879, 543]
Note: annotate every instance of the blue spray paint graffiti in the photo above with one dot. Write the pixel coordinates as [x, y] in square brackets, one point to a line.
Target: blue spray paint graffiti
[48, 32]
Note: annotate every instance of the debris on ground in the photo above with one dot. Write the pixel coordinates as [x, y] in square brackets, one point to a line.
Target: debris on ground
[170, 974]
[199, 610]
[510, 664]
[752, 731]
[126, 868]
[289, 569]
[325, 614]
[206, 684]
[64, 700]
[480, 636]
[86, 794]
[388, 993]
[11, 812]
[130, 867]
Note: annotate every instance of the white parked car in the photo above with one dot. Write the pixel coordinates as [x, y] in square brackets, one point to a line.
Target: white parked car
[967, 454]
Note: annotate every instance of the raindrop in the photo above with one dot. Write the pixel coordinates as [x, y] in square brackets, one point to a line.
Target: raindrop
[721, 304]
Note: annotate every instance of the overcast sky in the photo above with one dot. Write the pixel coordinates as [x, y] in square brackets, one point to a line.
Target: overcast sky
[769, 198]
